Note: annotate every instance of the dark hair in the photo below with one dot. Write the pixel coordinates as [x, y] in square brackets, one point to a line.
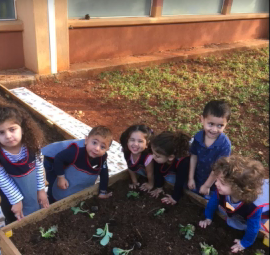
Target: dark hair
[102, 131]
[244, 175]
[32, 136]
[171, 143]
[134, 128]
[217, 108]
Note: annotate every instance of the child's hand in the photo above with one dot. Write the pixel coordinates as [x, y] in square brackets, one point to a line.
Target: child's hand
[204, 190]
[191, 184]
[155, 193]
[237, 246]
[17, 210]
[42, 198]
[105, 195]
[146, 187]
[134, 185]
[62, 182]
[168, 200]
[205, 223]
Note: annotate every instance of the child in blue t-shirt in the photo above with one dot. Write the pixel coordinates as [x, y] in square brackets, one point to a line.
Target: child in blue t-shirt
[74, 165]
[242, 195]
[208, 145]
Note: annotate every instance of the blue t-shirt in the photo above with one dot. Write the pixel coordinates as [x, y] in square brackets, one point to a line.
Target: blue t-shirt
[206, 156]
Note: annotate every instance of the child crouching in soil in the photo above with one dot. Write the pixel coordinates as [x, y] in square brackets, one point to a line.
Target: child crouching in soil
[171, 163]
[242, 195]
[74, 165]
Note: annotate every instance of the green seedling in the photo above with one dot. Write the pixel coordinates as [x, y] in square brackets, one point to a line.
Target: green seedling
[81, 210]
[187, 230]
[259, 252]
[118, 251]
[133, 194]
[159, 212]
[49, 233]
[208, 249]
[105, 234]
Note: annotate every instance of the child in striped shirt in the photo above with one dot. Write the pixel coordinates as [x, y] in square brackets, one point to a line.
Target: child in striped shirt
[22, 185]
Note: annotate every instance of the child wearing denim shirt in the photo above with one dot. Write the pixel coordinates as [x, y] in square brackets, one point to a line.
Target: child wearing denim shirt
[208, 146]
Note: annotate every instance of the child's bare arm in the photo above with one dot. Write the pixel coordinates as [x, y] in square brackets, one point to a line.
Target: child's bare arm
[150, 176]
[205, 188]
[192, 167]
[133, 179]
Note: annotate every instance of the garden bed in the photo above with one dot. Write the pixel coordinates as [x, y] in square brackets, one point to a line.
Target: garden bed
[130, 221]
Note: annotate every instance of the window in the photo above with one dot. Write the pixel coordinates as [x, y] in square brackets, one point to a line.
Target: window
[250, 6]
[108, 8]
[7, 10]
[193, 7]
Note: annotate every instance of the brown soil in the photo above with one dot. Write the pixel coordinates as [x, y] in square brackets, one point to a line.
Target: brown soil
[82, 94]
[130, 221]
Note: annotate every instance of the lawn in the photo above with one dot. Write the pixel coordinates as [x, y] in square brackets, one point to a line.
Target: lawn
[172, 96]
[177, 93]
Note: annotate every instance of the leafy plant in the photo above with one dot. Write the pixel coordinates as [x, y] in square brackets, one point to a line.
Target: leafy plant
[105, 234]
[118, 251]
[81, 210]
[259, 252]
[187, 230]
[133, 194]
[159, 212]
[49, 233]
[208, 249]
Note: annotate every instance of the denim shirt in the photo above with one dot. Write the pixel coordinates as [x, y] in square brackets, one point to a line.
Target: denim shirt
[207, 156]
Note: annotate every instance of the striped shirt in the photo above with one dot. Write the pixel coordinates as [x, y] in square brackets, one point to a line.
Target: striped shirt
[7, 184]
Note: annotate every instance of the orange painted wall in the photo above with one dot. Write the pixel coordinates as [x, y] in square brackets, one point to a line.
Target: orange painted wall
[11, 50]
[93, 43]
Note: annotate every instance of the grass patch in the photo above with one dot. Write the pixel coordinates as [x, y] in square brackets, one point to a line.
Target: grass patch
[176, 93]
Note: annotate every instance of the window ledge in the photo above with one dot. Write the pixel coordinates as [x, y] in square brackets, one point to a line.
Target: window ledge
[11, 25]
[101, 22]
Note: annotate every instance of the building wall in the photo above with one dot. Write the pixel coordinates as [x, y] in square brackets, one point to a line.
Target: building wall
[94, 43]
[11, 50]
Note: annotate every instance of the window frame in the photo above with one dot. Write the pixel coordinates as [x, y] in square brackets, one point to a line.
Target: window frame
[15, 12]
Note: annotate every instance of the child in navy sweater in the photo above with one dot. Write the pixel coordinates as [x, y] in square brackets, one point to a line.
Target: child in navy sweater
[74, 165]
[135, 142]
[242, 195]
[171, 163]
[22, 186]
[208, 145]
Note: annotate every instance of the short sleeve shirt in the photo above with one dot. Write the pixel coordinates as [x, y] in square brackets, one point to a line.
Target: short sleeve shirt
[207, 156]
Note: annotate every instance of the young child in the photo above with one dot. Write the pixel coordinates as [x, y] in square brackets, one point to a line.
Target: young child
[135, 141]
[209, 144]
[22, 185]
[171, 163]
[74, 165]
[242, 195]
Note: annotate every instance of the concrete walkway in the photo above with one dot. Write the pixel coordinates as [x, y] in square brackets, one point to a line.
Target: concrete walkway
[24, 77]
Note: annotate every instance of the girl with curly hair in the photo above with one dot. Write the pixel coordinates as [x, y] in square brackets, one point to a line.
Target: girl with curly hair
[22, 185]
[242, 195]
[171, 163]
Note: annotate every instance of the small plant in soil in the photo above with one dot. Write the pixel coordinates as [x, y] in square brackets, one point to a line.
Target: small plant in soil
[159, 212]
[133, 194]
[187, 230]
[118, 251]
[49, 233]
[105, 234]
[259, 252]
[208, 249]
[81, 210]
